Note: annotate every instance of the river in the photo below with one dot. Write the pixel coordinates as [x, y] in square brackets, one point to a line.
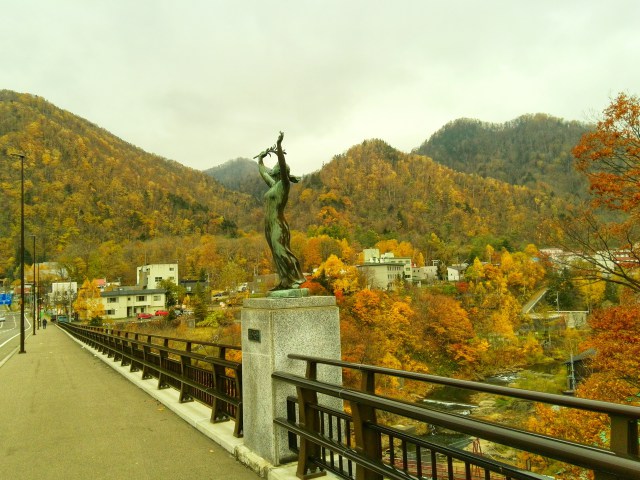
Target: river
[461, 401]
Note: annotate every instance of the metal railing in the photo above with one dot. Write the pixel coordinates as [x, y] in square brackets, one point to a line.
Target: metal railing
[211, 379]
[353, 446]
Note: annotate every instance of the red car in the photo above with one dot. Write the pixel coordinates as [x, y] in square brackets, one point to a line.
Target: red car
[144, 315]
[161, 313]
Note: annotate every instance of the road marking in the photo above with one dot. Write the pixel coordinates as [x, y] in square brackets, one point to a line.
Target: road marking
[26, 330]
[11, 338]
[5, 359]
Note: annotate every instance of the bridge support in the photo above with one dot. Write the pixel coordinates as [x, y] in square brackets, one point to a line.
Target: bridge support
[272, 328]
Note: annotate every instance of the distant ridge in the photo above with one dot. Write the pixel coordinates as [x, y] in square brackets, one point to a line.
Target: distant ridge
[532, 150]
[241, 175]
[373, 192]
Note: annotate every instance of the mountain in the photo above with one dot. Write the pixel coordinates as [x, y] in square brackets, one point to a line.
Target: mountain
[532, 150]
[374, 191]
[103, 205]
[85, 186]
[240, 175]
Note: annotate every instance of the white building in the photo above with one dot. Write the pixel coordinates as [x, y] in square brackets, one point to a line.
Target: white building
[126, 302]
[62, 288]
[149, 276]
[62, 292]
[456, 272]
[383, 270]
[428, 273]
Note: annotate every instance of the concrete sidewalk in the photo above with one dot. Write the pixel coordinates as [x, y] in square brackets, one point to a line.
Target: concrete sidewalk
[66, 414]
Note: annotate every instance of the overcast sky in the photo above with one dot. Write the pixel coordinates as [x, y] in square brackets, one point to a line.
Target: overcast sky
[205, 81]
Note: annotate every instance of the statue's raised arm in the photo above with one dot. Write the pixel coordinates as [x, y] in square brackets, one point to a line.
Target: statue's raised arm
[276, 227]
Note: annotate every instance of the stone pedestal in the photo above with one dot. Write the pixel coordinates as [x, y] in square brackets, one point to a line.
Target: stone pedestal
[272, 328]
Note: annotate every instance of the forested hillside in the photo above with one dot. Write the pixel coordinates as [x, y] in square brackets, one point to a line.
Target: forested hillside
[373, 192]
[84, 186]
[532, 150]
[102, 205]
[241, 175]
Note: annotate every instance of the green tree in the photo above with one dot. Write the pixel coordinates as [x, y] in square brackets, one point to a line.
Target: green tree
[199, 303]
[173, 293]
[231, 275]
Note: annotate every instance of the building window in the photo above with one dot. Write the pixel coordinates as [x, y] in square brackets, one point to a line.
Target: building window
[111, 312]
[156, 298]
[158, 279]
[112, 300]
[140, 298]
[171, 269]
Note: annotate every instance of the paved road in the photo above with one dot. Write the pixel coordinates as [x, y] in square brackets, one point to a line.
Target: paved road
[10, 332]
[527, 307]
[64, 414]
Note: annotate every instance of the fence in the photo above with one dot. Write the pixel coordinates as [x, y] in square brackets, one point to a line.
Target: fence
[351, 445]
[211, 379]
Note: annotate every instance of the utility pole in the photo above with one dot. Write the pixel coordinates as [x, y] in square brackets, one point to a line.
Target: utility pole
[33, 305]
[21, 156]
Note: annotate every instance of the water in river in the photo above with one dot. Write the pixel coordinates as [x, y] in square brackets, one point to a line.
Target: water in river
[460, 401]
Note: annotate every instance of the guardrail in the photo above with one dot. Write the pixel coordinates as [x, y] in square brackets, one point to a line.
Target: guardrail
[211, 379]
[351, 446]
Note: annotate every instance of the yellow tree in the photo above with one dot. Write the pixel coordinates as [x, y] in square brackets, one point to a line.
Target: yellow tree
[333, 273]
[88, 304]
[399, 249]
[592, 291]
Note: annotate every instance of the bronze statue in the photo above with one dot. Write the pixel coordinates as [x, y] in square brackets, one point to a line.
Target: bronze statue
[276, 228]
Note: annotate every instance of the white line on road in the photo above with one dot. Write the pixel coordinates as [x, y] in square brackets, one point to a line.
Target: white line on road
[27, 333]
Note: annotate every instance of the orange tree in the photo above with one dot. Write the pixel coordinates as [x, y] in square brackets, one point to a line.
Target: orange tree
[610, 157]
[378, 328]
[615, 378]
[449, 342]
[615, 338]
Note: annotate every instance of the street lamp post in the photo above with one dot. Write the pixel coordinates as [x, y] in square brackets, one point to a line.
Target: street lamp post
[33, 305]
[41, 298]
[21, 156]
[38, 293]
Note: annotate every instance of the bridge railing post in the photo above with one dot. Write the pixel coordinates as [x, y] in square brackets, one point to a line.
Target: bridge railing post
[367, 441]
[624, 441]
[309, 419]
[624, 435]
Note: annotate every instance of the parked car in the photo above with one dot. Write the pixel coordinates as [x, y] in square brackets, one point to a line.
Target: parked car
[161, 313]
[143, 315]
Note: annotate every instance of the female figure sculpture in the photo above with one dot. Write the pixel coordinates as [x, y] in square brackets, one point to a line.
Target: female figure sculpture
[276, 227]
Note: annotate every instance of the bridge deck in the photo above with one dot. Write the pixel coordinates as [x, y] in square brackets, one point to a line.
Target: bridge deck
[66, 414]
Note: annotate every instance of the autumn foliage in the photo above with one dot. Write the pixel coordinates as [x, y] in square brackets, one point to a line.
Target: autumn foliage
[616, 339]
[615, 378]
[610, 155]
[88, 304]
[605, 235]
